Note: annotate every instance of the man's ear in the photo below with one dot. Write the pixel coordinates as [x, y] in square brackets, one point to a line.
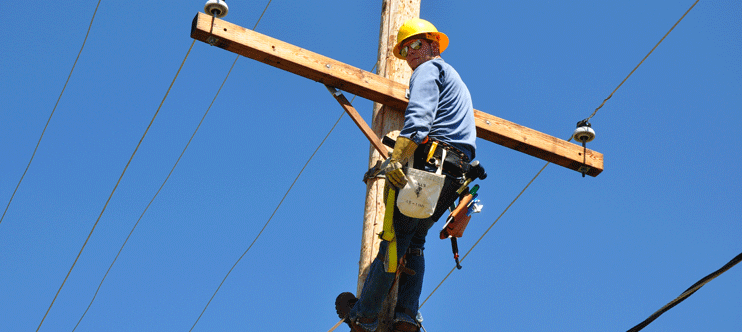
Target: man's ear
[435, 48]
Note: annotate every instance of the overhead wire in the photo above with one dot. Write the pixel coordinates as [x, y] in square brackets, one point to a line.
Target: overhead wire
[157, 193]
[271, 217]
[640, 62]
[274, 211]
[117, 184]
[547, 164]
[485, 232]
[688, 292]
[169, 174]
[52, 114]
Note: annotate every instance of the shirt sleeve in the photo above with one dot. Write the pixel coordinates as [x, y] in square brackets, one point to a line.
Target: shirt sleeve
[423, 104]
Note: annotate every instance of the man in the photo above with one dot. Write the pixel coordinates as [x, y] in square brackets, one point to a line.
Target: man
[440, 116]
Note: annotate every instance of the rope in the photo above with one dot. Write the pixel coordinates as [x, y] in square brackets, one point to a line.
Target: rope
[52, 114]
[117, 184]
[336, 325]
[687, 293]
[640, 63]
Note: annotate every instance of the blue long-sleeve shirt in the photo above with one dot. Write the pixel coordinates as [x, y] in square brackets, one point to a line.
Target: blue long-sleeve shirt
[440, 107]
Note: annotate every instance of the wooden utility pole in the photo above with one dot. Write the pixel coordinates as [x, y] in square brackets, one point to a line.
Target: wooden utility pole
[388, 89]
[386, 122]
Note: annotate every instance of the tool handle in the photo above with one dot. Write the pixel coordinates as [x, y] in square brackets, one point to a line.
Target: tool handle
[455, 249]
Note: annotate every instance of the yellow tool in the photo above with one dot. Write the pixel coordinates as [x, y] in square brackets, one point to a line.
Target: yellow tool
[388, 233]
[433, 146]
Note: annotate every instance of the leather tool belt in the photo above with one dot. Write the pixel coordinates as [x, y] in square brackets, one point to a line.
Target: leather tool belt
[456, 163]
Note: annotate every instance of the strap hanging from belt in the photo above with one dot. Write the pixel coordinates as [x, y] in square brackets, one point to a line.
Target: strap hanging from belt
[388, 233]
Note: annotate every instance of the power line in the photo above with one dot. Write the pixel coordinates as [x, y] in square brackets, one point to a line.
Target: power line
[116, 186]
[688, 292]
[485, 232]
[52, 114]
[640, 63]
[169, 174]
[158, 191]
[269, 219]
[547, 164]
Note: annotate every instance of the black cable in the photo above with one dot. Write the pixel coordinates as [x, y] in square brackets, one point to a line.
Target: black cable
[688, 292]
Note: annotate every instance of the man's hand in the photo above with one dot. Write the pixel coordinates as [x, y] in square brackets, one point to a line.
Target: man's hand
[403, 149]
[394, 174]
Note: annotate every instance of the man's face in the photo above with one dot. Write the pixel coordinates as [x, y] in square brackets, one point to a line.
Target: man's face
[418, 51]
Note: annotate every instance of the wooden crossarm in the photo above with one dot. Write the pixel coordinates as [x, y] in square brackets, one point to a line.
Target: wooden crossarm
[365, 84]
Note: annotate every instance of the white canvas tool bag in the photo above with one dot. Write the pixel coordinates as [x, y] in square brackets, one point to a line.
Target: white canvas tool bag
[420, 195]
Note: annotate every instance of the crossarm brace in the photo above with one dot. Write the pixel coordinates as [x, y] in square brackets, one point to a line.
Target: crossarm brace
[375, 141]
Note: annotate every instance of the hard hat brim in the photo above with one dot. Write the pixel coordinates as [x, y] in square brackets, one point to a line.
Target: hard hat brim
[439, 37]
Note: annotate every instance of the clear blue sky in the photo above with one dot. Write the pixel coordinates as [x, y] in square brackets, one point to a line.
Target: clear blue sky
[572, 254]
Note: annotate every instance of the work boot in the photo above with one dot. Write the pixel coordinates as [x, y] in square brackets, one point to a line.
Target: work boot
[343, 303]
[363, 324]
[405, 327]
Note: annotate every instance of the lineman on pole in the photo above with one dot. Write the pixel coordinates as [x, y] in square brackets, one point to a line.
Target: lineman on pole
[438, 132]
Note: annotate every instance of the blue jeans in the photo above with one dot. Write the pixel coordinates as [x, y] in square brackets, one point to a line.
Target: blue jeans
[410, 234]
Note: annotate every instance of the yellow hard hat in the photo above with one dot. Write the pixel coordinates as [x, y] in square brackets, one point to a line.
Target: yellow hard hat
[416, 26]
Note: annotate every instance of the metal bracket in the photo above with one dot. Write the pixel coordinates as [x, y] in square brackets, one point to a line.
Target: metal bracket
[333, 91]
[212, 40]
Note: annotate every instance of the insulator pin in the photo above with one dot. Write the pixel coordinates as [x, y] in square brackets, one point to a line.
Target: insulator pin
[218, 8]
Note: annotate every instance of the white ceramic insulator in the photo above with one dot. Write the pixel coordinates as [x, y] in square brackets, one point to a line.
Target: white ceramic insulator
[584, 134]
[219, 6]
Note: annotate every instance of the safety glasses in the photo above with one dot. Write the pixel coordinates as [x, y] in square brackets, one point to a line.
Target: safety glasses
[414, 45]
